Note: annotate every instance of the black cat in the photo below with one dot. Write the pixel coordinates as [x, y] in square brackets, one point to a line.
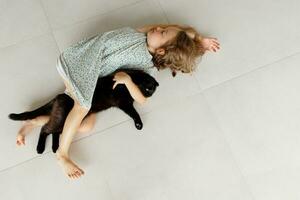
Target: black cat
[104, 97]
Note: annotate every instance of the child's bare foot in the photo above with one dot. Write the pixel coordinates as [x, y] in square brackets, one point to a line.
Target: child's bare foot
[20, 139]
[25, 129]
[70, 168]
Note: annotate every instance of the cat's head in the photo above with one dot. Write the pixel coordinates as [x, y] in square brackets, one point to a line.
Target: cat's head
[146, 83]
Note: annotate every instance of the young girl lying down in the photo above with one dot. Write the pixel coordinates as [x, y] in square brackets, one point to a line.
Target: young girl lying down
[148, 48]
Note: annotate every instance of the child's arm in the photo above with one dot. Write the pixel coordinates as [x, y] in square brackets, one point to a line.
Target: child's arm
[190, 31]
[209, 44]
[136, 94]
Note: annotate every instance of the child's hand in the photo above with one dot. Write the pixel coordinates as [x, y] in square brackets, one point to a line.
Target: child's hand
[121, 78]
[210, 44]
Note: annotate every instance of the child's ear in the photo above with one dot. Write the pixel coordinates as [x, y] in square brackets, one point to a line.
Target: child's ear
[160, 51]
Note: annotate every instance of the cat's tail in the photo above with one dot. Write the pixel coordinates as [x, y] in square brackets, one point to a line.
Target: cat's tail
[43, 110]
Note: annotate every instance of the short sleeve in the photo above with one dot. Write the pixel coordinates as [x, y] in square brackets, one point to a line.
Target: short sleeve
[151, 70]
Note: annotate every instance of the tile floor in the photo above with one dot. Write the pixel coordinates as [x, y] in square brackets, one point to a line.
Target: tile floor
[228, 132]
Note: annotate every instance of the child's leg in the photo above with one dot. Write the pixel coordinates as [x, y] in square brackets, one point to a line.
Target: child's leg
[28, 126]
[87, 123]
[71, 126]
[86, 126]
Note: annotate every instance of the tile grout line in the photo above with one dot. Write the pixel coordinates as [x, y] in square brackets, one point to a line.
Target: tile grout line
[46, 153]
[25, 40]
[96, 133]
[251, 71]
[66, 26]
[163, 11]
[146, 113]
[48, 20]
[166, 17]
[97, 15]
[221, 134]
[20, 163]
[52, 34]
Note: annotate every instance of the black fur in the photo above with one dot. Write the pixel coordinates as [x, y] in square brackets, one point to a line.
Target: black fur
[104, 97]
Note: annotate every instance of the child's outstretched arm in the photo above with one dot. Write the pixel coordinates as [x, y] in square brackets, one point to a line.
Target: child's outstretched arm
[208, 43]
[136, 94]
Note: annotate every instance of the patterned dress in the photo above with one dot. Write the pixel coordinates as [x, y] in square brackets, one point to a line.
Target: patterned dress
[82, 63]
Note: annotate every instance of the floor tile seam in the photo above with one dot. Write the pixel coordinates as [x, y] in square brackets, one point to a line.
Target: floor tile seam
[51, 31]
[96, 16]
[48, 152]
[163, 10]
[262, 67]
[244, 179]
[48, 21]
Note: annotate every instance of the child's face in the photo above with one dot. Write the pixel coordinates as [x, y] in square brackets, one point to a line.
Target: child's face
[158, 36]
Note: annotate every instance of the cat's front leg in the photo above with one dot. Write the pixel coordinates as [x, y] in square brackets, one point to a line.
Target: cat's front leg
[130, 110]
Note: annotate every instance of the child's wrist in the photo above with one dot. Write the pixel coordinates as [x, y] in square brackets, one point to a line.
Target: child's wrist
[199, 37]
[127, 80]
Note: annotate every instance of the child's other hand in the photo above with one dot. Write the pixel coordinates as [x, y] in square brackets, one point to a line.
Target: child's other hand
[121, 78]
[210, 44]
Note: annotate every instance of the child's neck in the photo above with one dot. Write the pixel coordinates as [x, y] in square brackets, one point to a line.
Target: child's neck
[150, 49]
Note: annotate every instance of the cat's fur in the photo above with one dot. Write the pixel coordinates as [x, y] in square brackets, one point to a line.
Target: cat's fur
[104, 97]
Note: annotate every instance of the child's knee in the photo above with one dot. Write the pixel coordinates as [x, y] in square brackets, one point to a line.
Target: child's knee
[87, 124]
[84, 128]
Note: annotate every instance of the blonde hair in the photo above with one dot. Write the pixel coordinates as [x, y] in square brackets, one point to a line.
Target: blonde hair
[181, 52]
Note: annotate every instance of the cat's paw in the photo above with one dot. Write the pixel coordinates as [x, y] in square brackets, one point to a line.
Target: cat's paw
[40, 149]
[55, 147]
[138, 125]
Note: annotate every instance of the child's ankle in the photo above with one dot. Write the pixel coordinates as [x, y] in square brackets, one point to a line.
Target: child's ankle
[60, 154]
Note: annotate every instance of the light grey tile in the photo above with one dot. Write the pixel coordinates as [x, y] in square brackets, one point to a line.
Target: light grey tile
[42, 178]
[179, 154]
[259, 114]
[21, 20]
[252, 33]
[276, 184]
[29, 79]
[136, 15]
[68, 12]
[170, 89]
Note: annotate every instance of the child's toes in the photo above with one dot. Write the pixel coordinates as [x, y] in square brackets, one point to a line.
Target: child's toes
[20, 140]
[79, 173]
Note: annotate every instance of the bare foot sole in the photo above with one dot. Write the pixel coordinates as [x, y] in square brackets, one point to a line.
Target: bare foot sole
[70, 168]
[20, 140]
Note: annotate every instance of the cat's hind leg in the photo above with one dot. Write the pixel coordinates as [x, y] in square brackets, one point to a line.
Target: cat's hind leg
[42, 139]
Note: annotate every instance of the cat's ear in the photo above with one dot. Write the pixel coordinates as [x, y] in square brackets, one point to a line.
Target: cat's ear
[174, 73]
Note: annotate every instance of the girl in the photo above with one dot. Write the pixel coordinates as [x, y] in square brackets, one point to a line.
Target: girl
[149, 48]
